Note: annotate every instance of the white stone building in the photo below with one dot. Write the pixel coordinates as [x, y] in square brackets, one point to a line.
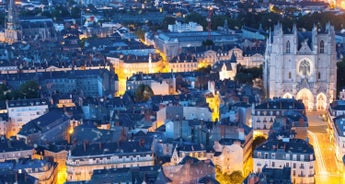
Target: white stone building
[84, 159]
[22, 111]
[181, 27]
[339, 136]
[294, 153]
[302, 65]
[264, 115]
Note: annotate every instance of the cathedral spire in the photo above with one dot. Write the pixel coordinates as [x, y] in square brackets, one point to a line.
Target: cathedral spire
[10, 19]
[11, 33]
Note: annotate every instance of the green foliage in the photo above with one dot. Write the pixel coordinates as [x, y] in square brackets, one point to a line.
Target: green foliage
[195, 17]
[207, 43]
[205, 70]
[143, 93]
[75, 12]
[246, 75]
[4, 92]
[166, 21]
[224, 178]
[59, 13]
[257, 141]
[29, 89]
[236, 177]
[140, 34]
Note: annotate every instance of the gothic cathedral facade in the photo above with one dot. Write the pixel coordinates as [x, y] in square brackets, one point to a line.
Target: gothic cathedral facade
[301, 65]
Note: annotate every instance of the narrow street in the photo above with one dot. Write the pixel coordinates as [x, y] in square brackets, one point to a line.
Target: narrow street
[327, 166]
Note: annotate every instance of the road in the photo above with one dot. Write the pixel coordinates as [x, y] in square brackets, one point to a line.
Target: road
[327, 166]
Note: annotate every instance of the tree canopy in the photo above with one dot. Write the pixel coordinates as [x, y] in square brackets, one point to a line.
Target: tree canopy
[143, 93]
[29, 89]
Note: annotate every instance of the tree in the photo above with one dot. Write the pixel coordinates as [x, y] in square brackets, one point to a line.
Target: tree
[75, 12]
[236, 177]
[4, 92]
[140, 34]
[257, 141]
[207, 42]
[143, 93]
[29, 89]
[340, 75]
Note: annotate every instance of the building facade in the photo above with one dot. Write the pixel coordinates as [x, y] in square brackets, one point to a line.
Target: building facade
[295, 153]
[302, 65]
[22, 111]
[84, 159]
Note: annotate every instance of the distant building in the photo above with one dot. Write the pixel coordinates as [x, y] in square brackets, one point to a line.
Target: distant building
[83, 159]
[48, 128]
[264, 115]
[22, 111]
[161, 84]
[339, 136]
[145, 174]
[270, 175]
[295, 65]
[295, 153]
[337, 108]
[127, 65]
[170, 44]
[183, 112]
[12, 149]
[43, 170]
[184, 27]
[189, 170]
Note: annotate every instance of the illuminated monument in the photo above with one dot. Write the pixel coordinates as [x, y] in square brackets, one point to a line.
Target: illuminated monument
[301, 65]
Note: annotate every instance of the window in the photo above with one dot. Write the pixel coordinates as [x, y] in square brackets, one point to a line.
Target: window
[319, 75]
[294, 165]
[322, 47]
[289, 75]
[273, 164]
[287, 47]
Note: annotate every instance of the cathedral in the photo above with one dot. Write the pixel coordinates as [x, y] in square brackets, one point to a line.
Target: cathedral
[301, 65]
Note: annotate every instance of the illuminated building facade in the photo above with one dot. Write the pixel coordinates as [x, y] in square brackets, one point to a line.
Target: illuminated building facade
[83, 159]
[127, 65]
[264, 115]
[302, 65]
[14, 149]
[339, 136]
[295, 153]
[22, 111]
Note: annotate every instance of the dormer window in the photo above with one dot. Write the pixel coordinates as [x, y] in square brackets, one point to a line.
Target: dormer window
[287, 47]
[322, 47]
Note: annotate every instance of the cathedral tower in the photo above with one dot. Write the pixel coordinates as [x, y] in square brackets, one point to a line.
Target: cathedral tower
[301, 65]
[11, 32]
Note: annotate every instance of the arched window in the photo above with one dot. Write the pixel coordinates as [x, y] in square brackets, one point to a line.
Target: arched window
[322, 47]
[287, 47]
[319, 75]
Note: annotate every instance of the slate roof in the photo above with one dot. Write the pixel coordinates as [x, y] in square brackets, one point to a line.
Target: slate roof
[123, 148]
[281, 103]
[339, 123]
[42, 123]
[8, 145]
[293, 146]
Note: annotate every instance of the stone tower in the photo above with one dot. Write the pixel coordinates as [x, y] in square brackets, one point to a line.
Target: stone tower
[301, 65]
[11, 32]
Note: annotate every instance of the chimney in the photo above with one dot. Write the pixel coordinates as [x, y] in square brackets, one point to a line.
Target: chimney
[100, 146]
[222, 131]
[84, 146]
[301, 122]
